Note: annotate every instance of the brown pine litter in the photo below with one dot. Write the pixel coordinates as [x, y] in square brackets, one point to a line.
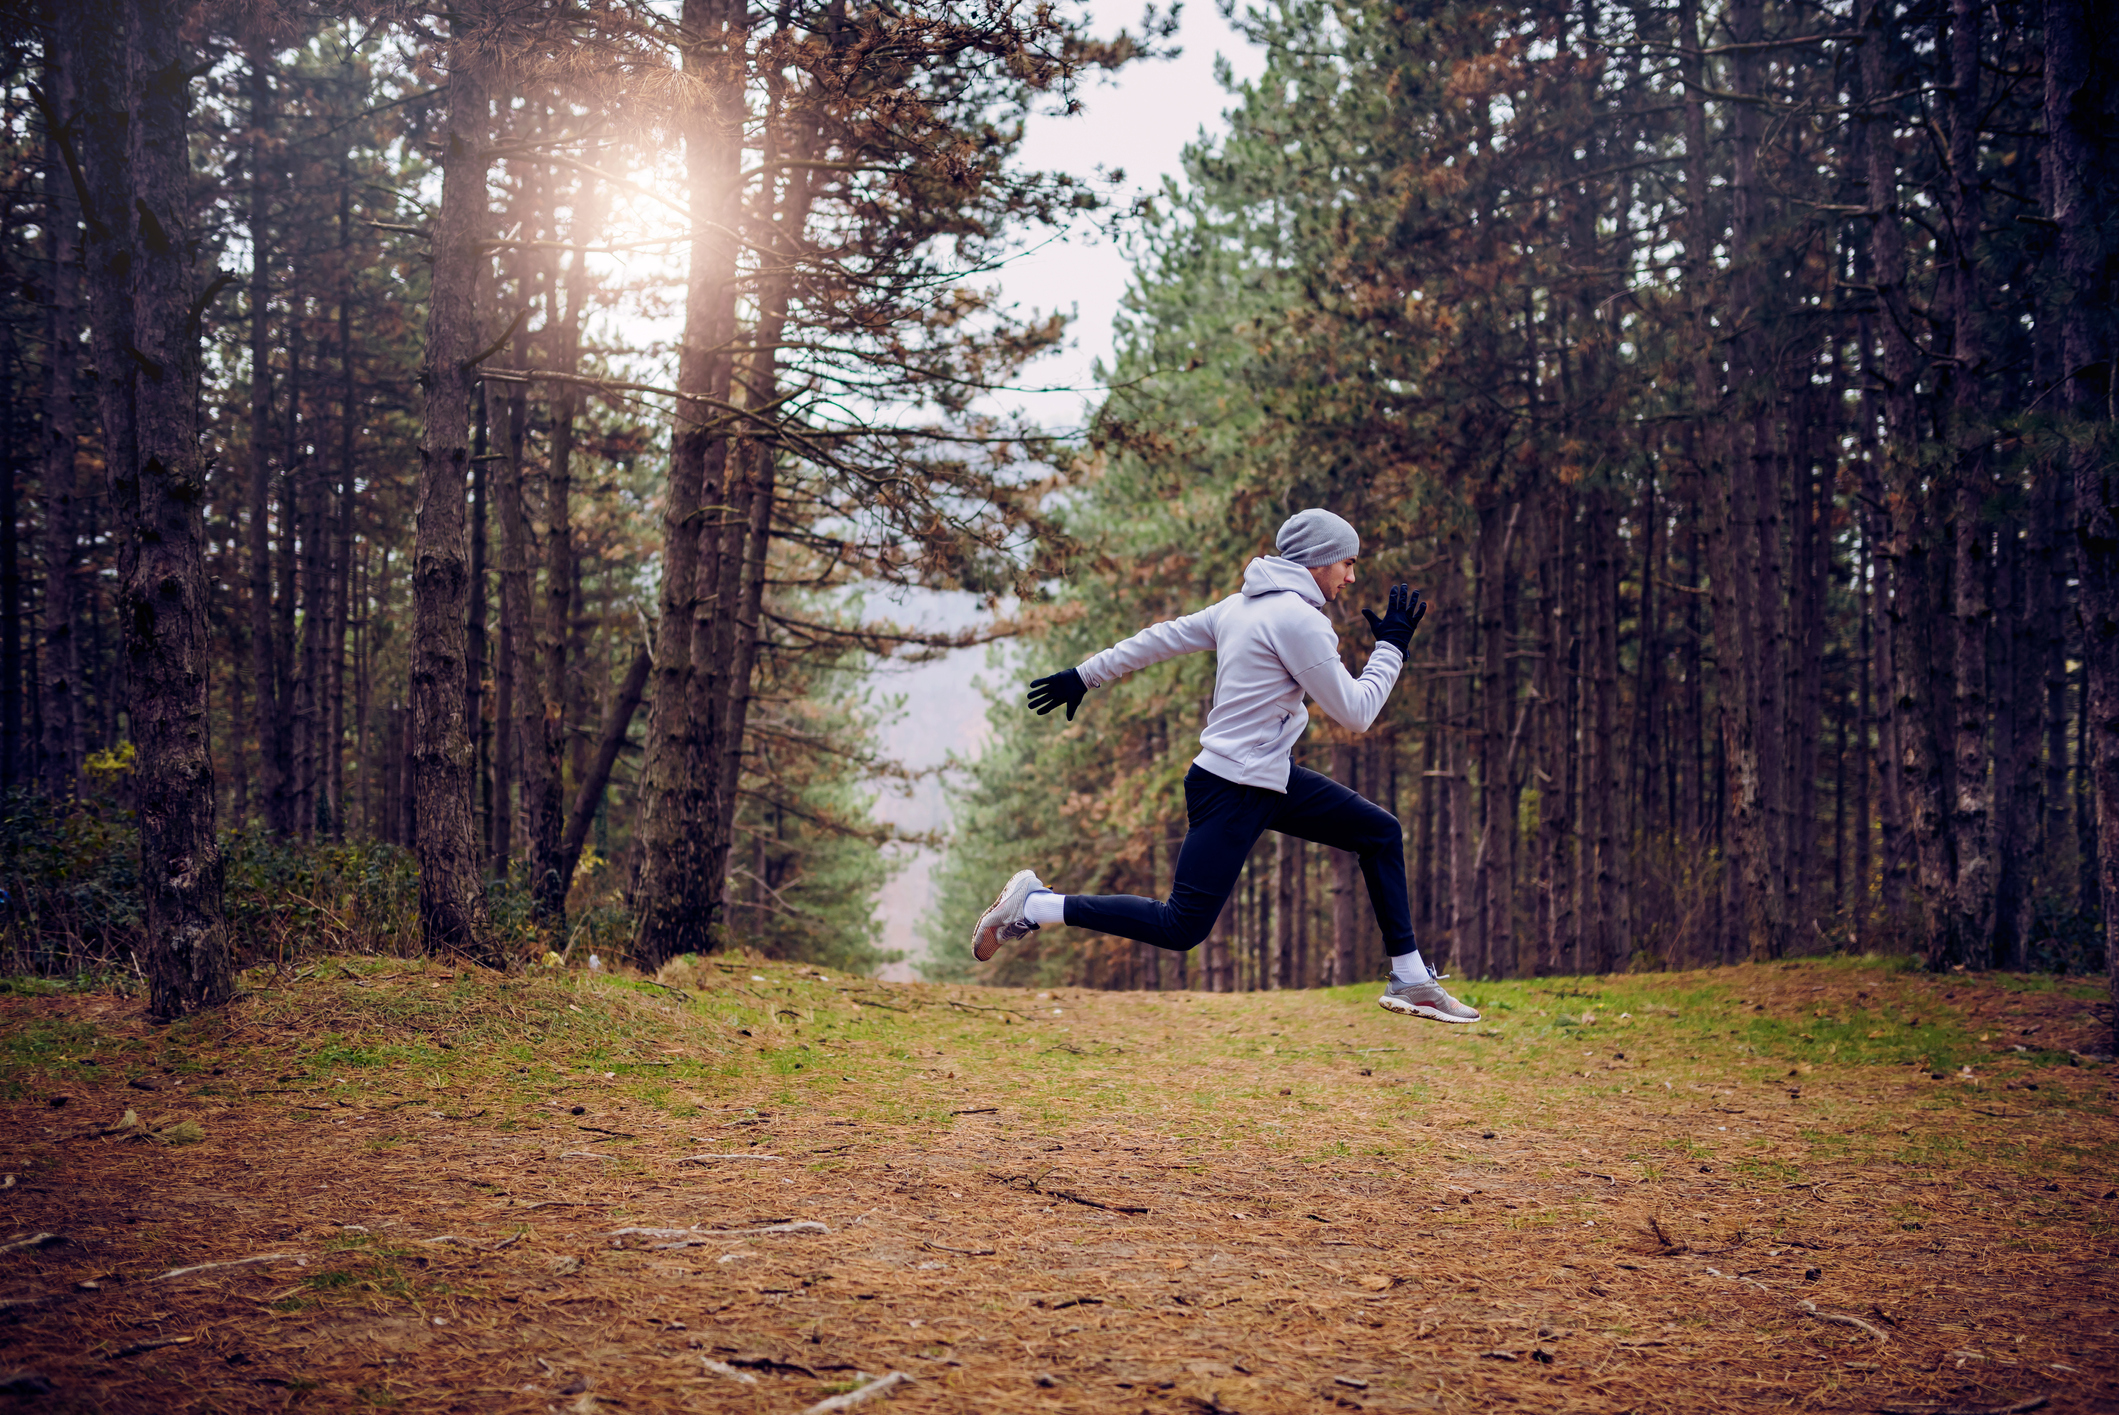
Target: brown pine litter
[781, 1191]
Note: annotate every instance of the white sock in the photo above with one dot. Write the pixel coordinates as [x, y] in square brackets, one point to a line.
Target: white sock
[1410, 968]
[1045, 907]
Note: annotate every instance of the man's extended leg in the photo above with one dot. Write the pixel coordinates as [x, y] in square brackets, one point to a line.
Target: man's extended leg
[1224, 821]
[1320, 809]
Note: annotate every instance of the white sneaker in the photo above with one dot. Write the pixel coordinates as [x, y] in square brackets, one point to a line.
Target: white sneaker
[1426, 999]
[1003, 921]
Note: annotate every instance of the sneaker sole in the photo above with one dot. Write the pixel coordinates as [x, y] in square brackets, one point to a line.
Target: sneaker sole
[1414, 1009]
[986, 937]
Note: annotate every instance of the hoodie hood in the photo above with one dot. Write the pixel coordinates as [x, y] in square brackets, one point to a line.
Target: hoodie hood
[1269, 574]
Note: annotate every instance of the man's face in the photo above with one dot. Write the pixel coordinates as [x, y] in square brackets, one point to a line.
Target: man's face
[1333, 578]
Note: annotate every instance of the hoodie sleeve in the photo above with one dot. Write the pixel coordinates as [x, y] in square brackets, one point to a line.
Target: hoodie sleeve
[1349, 701]
[1192, 633]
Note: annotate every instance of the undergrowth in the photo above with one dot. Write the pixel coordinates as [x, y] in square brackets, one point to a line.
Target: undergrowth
[70, 902]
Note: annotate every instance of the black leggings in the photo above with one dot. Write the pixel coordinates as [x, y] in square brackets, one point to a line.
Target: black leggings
[1225, 821]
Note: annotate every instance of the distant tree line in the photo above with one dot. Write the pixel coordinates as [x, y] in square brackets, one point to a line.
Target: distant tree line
[1737, 381]
[399, 399]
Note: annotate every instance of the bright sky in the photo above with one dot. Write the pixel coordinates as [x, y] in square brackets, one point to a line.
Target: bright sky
[1137, 122]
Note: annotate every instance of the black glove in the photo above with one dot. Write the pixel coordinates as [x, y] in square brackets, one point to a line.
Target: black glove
[1048, 693]
[1403, 615]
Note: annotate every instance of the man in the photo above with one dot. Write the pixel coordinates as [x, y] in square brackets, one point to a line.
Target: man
[1274, 646]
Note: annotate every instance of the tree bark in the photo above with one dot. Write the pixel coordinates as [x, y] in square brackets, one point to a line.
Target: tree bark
[2081, 102]
[475, 631]
[754, 463]
[1558, 812]
[1602, 608]
[1887, 505]
[342, 536]
[266, 671]
[1727, 525]
[676, 898]
[521, 692]
[135, 94]
[59, 754]
[1969, 935]
[452, 901]
[14, 758]
[554, 869]
[1462, 950]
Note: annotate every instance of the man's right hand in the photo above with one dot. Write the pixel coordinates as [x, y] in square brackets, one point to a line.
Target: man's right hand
[1049, 692]
[1401, 615]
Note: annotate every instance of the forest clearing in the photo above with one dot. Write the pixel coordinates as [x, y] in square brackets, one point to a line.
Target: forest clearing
[379, 1182]
[466, 471]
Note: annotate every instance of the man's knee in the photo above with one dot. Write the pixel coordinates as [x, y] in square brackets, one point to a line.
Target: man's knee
[1189, 917]
[1382, 831]
[1188, 934]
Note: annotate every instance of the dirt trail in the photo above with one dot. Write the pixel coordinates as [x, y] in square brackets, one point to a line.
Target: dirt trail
[1090, 1202]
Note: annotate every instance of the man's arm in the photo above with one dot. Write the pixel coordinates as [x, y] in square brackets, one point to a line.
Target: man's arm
[1191, 633]
[1349, 701]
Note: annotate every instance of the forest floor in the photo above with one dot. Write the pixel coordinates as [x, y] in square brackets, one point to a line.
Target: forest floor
[1825, 1185]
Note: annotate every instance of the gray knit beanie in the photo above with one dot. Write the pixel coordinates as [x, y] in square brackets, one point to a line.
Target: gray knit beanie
[1317, 537]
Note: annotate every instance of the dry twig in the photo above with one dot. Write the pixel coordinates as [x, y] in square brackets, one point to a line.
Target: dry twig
[229, 1263]
[1810, 1309]
[139, 1346]
[35, 1240]
[854, 1397]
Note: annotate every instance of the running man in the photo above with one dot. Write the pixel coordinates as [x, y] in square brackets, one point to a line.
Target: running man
[1275, 644]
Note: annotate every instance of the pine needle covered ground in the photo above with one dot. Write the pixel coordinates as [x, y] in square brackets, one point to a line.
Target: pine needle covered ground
[1821, 1186]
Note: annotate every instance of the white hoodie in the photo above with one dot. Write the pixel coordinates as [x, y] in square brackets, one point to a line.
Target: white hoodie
[1274, 644]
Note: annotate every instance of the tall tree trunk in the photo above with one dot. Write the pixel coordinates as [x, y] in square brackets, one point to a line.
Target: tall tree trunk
[475, 631]
[341, 592]
[1462, 949]
[135, 100]
[452, 901]
[1603, 613]
[59, 754]
[1219, 970]
[1866, 756]
[1816, 437]
[562, 582]
[1496, 827]
[676, 898]
[1744, 853]
[1887, 397]
[312, 500]
[364, 754]
[1970, 934]
[1284, 866]
[14, 760]
[2019, 712]
[265, 668]
[501, 814]
[521, 691]
[754, 464]
[1560, 818]
[521, 622]
[2081, 101]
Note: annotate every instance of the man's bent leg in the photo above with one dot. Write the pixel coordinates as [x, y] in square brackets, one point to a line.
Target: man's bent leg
[1320, 809]
[1224, 821]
